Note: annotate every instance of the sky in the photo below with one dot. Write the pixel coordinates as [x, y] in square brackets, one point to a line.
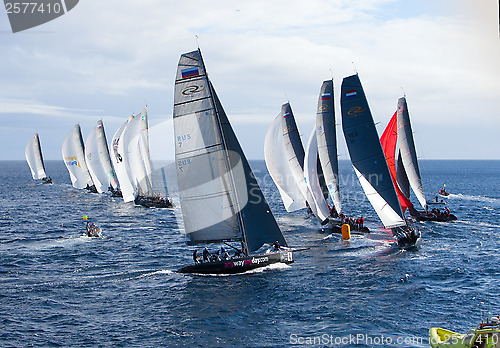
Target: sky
[107, 59]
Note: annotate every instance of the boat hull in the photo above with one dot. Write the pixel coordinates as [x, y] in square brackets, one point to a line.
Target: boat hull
[441, 338]
[153, 202]
[240, 265]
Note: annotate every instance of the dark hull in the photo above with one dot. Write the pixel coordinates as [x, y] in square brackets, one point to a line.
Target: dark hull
[444, 194]
[337, 228]
[239, 265]
[153, 202]
[425, 217]
[430, 216]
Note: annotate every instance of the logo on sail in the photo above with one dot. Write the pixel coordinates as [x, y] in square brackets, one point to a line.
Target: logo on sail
[26, 15]
[192, 89]
[355, 110]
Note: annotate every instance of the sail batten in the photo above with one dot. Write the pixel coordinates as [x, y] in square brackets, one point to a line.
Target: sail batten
[213, 174]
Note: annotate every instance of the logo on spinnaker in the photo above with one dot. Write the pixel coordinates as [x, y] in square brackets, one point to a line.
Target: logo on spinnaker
[26, 15]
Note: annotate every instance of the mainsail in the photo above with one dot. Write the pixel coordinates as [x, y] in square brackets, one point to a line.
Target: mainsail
[74, 158]
[388, 140]
[294, 149]
[120, 161]
[321, 209]
[135, 153]
[279, 168]
[407, 146]
[366, 153]
[220, 197]
[94, 162]
[327, 142]
[34, 158]
[98, 159]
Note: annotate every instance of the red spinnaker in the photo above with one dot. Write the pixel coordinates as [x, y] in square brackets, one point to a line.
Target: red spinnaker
[388, 141]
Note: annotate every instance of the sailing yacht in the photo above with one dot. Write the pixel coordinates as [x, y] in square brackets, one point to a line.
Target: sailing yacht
[34, 158]
[215, 179]
[369, 163]
[73, 152]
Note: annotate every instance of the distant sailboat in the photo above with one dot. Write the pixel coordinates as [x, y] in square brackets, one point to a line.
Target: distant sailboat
[136, 141]
[99, 161]
[221, 200]
[73, 152]
[34, 158]
[369, 162]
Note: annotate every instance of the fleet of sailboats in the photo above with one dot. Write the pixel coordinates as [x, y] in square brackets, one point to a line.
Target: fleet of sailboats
[221, 200]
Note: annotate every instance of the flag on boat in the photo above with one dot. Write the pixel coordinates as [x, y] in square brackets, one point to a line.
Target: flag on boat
[190, 72]
[350, 94]
[286, 115]
[326, 96]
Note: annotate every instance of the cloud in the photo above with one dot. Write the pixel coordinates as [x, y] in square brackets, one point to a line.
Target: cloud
[108, 59]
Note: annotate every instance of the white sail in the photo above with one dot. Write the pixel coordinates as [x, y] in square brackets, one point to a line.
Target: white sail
[389, 217]
[408, 152]
[74, 158]
[144, 147]
[279, 168]
[320, 208]
[131, 138]
[120, 161]
[104, 156]
[34, 158]
[94, 162]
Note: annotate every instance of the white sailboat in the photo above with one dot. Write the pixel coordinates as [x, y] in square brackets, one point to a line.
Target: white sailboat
[121, 164]
[99, 161]
[34, 157]
[73, 152]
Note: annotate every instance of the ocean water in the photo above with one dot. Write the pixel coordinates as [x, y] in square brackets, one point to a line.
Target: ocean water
[59, 288]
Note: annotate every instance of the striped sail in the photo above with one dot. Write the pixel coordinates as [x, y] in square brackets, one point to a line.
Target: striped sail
[366, 153]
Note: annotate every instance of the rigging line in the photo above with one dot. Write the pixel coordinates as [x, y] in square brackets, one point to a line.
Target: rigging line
[355, 70]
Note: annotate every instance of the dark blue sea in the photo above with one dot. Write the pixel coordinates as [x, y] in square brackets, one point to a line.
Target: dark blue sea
[59, 288]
